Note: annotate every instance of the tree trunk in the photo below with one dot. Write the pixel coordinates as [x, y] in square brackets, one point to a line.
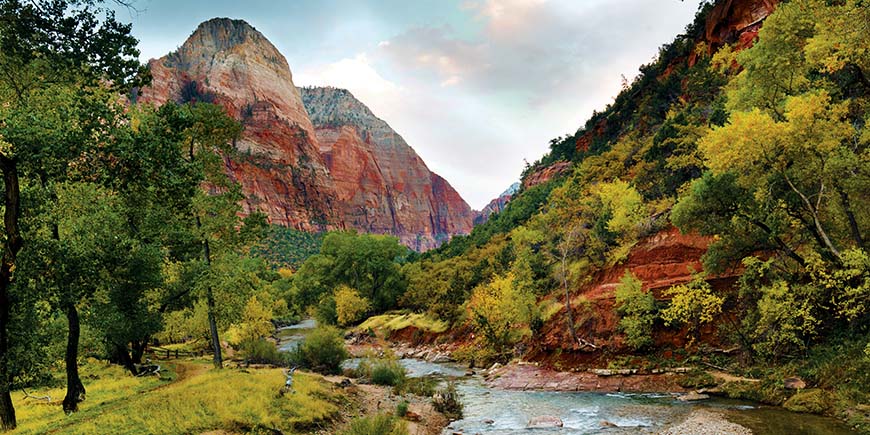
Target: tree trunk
[12, 201]
[75, 390]
[122, 356]
[137, 348]
[209, 295]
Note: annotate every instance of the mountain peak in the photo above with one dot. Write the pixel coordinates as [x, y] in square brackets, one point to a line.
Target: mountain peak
[224, 33]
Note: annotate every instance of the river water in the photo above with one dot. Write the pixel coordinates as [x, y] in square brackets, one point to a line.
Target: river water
[492, 411]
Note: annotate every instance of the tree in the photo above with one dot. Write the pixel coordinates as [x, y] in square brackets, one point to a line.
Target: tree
[350, 307]
[501, 313]
[46, 45]
[637, 311]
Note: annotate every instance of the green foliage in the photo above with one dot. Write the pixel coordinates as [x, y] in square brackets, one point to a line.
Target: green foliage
[288, 247]
[637, 312]
[786, 318]
[815, 401]
[697, 379]
[369, 264]
[322, 351]
[262, 351]
[402, 408]
[382, 371]
[381, 424]
[255, 324]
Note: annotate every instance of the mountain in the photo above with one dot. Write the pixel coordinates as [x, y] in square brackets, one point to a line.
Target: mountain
[363, 175]
[496, 205]
[383, 186]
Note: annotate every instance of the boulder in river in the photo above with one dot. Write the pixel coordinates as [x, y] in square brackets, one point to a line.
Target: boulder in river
[544, 421]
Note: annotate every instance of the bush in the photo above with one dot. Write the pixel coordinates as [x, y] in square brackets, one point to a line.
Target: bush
[402, 408]
[350, 307]
[446, 401]
[423, 387]
[815, 401]
[322, 351]
[382, 372]
[637, 312]
[382, 424]
[262, 351]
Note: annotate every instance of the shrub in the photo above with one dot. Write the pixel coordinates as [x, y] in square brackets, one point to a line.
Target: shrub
[350, 307]
[382, 372]
[815, 401]
[382, 424]
[402, 408]
[262, 351]
[637, 312]
[423, 387]
[322, 351]
[446, 401]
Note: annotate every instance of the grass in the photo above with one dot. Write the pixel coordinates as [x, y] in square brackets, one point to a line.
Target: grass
[388, 323]
[201, 400]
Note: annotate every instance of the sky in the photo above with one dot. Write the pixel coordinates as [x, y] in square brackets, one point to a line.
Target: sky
[476, 87]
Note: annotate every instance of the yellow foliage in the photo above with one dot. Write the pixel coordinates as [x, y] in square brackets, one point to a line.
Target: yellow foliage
[256, 323]
[395, 322]
[224, 399]
[350, 306]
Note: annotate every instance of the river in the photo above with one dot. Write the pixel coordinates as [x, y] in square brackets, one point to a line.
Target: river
[492, 411]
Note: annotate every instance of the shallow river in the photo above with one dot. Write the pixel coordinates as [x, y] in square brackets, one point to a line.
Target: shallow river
[492, 411]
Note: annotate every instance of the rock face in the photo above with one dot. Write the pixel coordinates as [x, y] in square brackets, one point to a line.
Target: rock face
[730, 18]
[660, 261]
[545, 174]
[382, 185]
[497, 204]
[230, 63]
[363, 175]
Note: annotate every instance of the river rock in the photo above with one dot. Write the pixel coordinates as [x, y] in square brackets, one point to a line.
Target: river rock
[441, 358]
[794, 383]
[692, 396]
[488, 421]
[544, 421]
[605, 423]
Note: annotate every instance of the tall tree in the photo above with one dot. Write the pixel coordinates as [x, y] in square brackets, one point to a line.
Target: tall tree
[45, 44]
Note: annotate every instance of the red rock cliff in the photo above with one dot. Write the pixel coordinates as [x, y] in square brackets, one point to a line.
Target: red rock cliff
[363, 175]
[382, 185]
[230, 63]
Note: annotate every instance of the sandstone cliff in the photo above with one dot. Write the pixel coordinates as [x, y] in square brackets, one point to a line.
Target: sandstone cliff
[230, 63]
[363, 175]
[382, 185]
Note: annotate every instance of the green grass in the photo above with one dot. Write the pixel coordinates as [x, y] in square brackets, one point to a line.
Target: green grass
[204, 400]
[387, 323]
